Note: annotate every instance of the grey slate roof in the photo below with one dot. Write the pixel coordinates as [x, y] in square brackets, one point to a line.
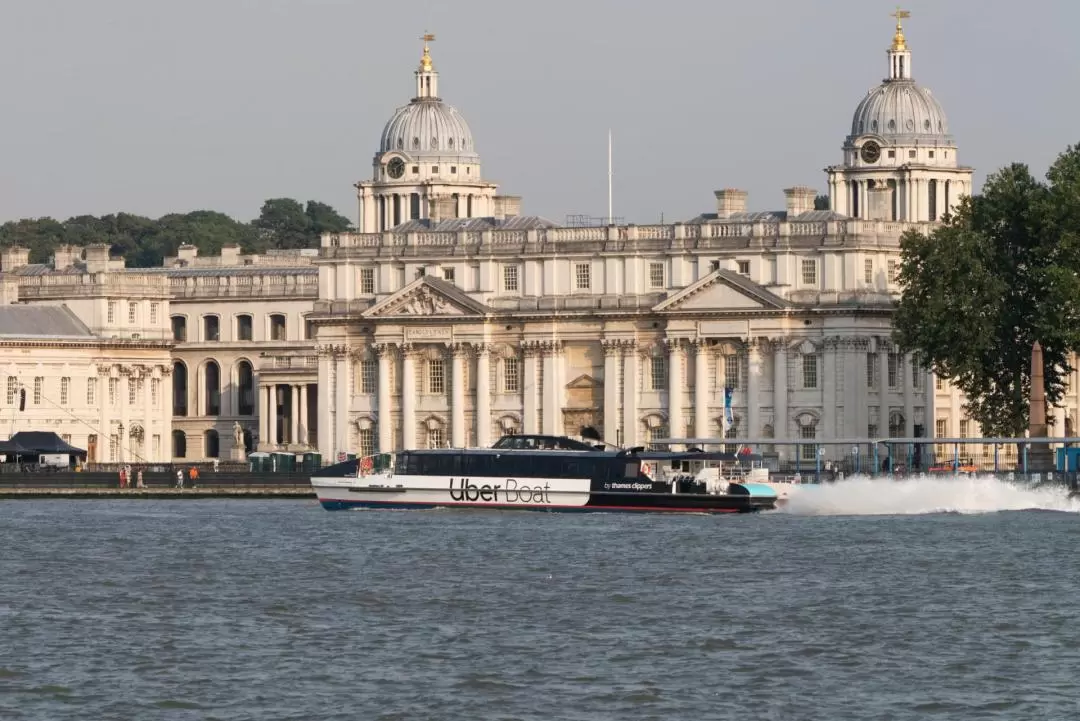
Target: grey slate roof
[514, 222]
[230, 270]
[769, 216]
[39, 321]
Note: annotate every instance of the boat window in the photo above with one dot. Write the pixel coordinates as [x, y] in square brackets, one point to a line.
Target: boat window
[632, 469]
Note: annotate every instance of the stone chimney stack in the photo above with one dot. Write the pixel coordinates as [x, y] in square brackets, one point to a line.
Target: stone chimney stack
[730, 201]
[65, 256]
[13, 258]
[442, 207]
[9, 291]
[879, 202]
[800, 199]
[507, 206]
[230, 254]
[97, 258]
[187, 253]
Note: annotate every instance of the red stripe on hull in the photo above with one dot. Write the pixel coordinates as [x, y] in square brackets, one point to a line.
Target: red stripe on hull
[532, 507]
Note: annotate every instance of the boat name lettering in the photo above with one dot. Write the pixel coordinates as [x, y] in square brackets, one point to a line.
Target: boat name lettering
[629, 486]
[462, 489]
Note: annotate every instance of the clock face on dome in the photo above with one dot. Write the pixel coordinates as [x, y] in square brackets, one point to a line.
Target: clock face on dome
[396, 168]
[871, 152]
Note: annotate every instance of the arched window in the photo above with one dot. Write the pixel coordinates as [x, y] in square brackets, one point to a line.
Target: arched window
[179, 444]
[212, 386]
[180, 389]
[211, 444]
[245, 391]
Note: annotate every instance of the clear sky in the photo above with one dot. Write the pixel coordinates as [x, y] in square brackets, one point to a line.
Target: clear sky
[156, 106]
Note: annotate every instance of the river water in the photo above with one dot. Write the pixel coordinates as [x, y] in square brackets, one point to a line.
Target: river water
[862, 600]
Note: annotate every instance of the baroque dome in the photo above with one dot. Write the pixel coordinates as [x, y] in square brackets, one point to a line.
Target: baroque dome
[902, 112]
[428, 127]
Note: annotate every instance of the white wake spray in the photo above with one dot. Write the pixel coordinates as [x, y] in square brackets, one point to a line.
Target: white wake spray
[865, 496]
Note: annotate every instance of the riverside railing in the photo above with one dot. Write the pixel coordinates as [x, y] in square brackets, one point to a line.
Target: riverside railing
[902, 455]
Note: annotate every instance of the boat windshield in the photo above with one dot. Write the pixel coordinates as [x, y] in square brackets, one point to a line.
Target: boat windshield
[378, 463]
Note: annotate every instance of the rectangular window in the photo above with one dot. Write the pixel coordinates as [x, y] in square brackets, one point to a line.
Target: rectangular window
[436, 376]
[157, 446]
[91, 392]
[871, 370]
[65, 391]
[941, 428]
[911, 153]
[277, 327]
[871, 430]
[939, 383]
[367, 281]
[369, 374]
[114, 446]
[245, 328]
[658, 366]
[511, 376]
[656, 275]
[38, 383]
[154, 308]
[964, 423]
[808, 451]
[809, 272]
[731, 371]
[893, 268]
[436, 438]
[809, 371]
[510, 278]
[211, 328]
[895, 361]
[12, 389]
[112, 311]
[744, 267]
[133, 391]
[868, 270]
[132, 312]
[155, 392]
[582, 276]
[916, 373]
[365, 442]
[448, 275]
[114, 387]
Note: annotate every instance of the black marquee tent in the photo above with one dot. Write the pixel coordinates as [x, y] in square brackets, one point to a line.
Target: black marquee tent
[37, 443]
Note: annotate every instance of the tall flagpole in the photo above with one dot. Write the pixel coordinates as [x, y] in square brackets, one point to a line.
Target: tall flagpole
[610, 210]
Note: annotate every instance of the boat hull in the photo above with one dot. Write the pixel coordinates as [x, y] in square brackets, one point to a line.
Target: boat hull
[337, 495]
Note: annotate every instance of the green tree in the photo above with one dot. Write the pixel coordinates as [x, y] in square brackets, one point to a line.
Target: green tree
[325, 219]
[995, 277]
[282, 223]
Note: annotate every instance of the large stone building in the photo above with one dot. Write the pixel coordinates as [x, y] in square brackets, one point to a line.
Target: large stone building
[450, 321]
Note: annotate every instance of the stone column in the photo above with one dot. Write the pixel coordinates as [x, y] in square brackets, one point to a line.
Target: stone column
[701, 389]
[294, 416]
[780, 390]
[828, 392]
[147, 377]
[483, 395]
[384, 392]
[753, 389]
[530, 399]
[344, 398]
[408, 398]
[457, 396]
[908, 381]
[271, 416]
[852, 379]
[612, 351]
[630, 394]
[264, 415]
[676, 424]
[553, 421]
[126, 380]
[305, 436]
[326, 408]
[883, 388]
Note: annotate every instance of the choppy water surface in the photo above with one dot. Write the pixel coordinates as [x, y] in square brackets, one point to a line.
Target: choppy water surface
[278, 610]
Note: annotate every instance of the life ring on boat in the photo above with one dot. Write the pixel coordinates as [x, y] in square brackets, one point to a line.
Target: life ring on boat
[366, 465]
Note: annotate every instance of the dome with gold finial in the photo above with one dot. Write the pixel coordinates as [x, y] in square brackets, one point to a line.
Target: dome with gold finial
[899, 110]
[427, 127]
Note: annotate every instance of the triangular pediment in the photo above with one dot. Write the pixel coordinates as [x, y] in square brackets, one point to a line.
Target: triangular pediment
[427, 297]
[721, 290]
[584, 381]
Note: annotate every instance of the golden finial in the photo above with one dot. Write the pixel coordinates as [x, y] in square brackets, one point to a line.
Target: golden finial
[898, 39]
[425, 61]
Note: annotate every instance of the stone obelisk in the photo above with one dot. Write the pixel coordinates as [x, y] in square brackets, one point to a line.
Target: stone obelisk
[1040, 457]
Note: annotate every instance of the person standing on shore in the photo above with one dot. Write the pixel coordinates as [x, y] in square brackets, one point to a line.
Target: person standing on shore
[139, 480]
[180, 478]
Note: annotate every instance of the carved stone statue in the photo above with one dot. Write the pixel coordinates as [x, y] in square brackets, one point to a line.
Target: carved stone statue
[238, 434]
